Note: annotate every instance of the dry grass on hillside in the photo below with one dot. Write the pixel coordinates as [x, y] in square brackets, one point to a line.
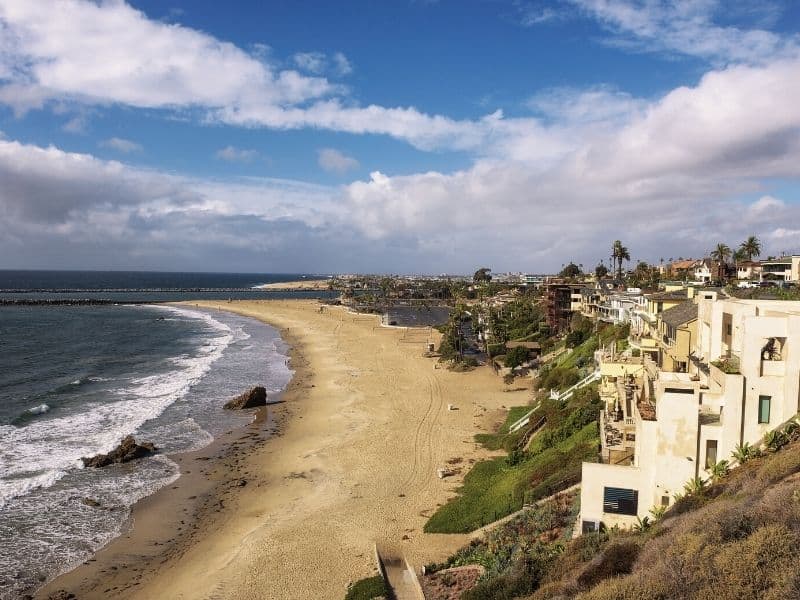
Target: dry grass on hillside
[738, 539]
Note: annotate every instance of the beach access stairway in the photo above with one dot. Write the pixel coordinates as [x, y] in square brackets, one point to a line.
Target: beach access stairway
[399, 576]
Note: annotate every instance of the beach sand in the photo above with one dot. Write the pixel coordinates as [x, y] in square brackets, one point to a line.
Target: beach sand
[297, 286]
[363, 428]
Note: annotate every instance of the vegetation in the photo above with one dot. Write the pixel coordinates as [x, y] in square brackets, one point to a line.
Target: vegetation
[737, 536]
[729, 366]
[494, 489]
[600, 271]
[618, 254]
[482, 275]
[540, 533]
[515, 357]
[751, 247]
[503, 439]
[571, 270]
[367, 589]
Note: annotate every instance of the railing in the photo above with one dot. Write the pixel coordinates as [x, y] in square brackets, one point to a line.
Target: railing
[523, 420]
[566, 394]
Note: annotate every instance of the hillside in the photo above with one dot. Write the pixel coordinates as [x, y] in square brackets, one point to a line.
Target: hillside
[738, 537]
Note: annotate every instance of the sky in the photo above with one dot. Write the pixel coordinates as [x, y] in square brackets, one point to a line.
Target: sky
[410, 136]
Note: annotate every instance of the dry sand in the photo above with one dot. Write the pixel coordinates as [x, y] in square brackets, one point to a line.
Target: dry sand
[364, 427]
[297, 286]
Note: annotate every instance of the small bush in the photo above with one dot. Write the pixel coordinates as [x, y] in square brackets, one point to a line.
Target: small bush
[366, 589]
[616, 559]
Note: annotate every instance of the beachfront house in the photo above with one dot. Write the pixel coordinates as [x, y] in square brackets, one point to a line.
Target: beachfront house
[785, 268]
[660, 429]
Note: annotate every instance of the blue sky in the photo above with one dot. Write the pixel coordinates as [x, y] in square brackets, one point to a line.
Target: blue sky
[419, 136]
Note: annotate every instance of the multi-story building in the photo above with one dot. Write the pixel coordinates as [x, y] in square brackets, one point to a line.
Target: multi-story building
[558, 302]
[748, 269]
[660, 429]
[786, 268]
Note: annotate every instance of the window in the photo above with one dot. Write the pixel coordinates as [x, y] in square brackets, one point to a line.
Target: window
[664, 500]
[763, 408]
[711, 453]
[620, 501]
[589, 527]
[728, 329]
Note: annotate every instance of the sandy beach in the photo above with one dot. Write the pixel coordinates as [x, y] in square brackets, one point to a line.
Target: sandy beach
[363, 427]
[311, 285]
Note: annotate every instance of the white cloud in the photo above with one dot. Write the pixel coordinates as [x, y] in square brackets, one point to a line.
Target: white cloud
[150, 64]
[313, 62]
[76, 124]
[685, 27]
[121, 145]
[234, 154]
[334, 161]
[146, 63]
[342, 65]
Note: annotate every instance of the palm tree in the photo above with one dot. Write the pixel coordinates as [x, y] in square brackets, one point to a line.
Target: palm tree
[721, 254]
[618, 254]
[751, 247]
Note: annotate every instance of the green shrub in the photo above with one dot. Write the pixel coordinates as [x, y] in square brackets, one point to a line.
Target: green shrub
[366, 589]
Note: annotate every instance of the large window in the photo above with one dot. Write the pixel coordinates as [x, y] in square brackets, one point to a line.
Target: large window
[620, 501]
[763, 408]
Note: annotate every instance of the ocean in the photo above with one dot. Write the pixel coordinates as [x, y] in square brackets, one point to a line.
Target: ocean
[74, 380]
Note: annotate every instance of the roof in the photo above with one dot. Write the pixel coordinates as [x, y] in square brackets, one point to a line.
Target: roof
[527, 345]
[681, 314]
[674, 295]
[683, 264]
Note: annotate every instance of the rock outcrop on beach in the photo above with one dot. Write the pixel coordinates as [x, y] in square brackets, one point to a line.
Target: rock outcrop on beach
[127, 450]
[250, 399]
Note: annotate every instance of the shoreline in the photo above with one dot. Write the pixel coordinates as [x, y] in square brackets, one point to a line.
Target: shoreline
[351, 462]
[160, 524]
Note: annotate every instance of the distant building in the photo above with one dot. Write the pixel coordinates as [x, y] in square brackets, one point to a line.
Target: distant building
[786, 268]
[558, 303]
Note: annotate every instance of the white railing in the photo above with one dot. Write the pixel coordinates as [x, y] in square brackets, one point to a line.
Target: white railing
[523, 420]
[566, 394]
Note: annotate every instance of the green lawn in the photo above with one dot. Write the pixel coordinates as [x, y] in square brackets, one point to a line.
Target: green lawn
[502, 439]
[493, 489]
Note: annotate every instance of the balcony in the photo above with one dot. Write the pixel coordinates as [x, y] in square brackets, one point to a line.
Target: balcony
[773, 368]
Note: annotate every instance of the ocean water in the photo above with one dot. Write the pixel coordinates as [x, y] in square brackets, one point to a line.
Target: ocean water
[74, 380]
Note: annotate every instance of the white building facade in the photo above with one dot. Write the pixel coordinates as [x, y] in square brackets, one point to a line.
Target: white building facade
[679, 424]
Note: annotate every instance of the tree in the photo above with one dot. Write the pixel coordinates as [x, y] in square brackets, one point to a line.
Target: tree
[515, 357]
[571, 270]
[721, 253]
[482, 275]
[601, 270]
[751, 247]
[618, 254]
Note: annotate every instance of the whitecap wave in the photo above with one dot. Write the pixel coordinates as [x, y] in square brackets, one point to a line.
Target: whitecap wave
[52, 447]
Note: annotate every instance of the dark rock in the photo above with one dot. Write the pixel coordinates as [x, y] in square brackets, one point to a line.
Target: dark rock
[90, 502]
[127, 450]
[250, 399]
[61, 595]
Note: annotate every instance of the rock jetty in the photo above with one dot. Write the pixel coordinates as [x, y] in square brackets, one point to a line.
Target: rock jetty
[250, 399]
